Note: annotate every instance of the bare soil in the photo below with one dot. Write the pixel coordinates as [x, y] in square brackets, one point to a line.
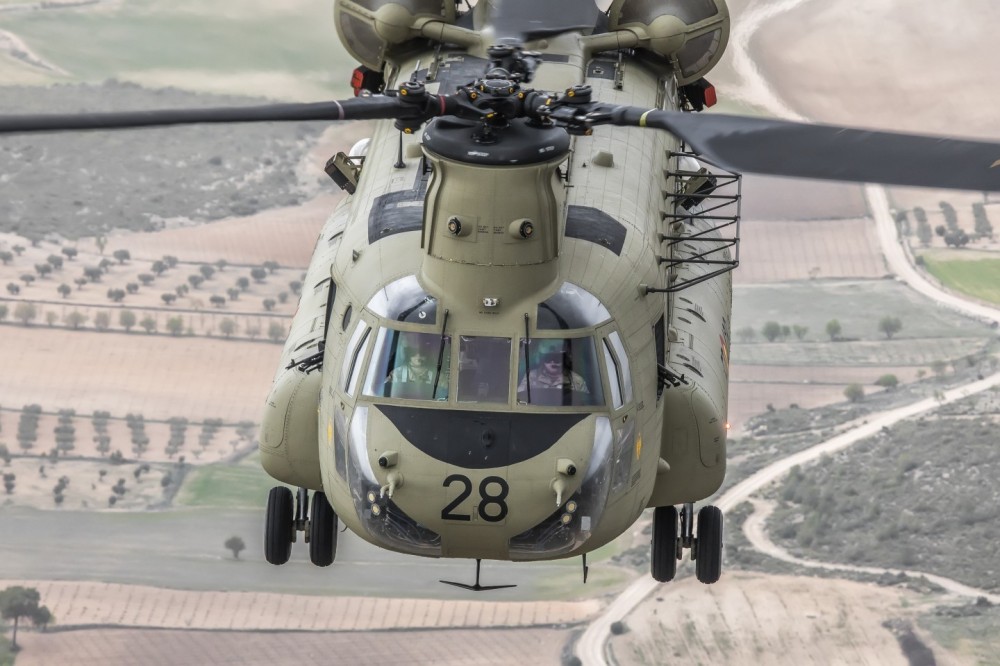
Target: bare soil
[158, 377]
[108, 647]
[764, 619]
[83, 604]
[781, 251]
[752, 388]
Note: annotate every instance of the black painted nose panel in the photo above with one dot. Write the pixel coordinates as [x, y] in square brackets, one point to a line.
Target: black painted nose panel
[479, 440]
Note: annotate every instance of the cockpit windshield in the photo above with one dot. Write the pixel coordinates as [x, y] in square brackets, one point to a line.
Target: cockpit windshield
[561, 371]
[483, 369]
[409, 365]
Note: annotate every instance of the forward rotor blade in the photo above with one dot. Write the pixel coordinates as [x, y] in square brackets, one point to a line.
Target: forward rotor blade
[361, 108]
[829, 152]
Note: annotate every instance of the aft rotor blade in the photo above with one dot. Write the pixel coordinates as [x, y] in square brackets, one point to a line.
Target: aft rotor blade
[361, 108]
[525, 20]
[829, 152]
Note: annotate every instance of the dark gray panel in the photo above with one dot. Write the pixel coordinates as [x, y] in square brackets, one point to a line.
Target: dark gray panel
[394, 213]
[388, 217]
[479, 440]
[596, 226]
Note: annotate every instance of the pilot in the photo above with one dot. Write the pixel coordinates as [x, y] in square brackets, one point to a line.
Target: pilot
[415, 378]
[417, 369]
[554, 371]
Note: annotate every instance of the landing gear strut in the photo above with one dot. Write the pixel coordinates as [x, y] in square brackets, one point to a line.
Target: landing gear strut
[669, 542]
[286, 516]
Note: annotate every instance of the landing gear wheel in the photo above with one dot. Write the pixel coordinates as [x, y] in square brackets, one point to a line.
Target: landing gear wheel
[322, 531]
[663, 559]
[708, 562]
[278, 527]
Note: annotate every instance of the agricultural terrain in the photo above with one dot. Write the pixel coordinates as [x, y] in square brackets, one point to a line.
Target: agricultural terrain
[131, 397]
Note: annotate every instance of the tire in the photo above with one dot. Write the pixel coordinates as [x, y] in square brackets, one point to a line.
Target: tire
[708, 565]
[663, 558]
[278, 525]
[322, 531]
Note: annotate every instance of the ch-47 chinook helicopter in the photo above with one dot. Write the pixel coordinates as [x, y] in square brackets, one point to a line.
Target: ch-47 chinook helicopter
[515, 332]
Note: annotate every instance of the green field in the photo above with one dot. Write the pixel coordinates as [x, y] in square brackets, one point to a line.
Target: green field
[6, 658]
[929, 333]
[979, 278]
[243, 486]
[970, 631]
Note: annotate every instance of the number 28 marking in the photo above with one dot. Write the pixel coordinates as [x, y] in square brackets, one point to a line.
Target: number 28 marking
[488, 499]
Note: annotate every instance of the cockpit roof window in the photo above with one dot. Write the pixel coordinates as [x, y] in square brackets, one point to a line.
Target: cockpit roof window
[569, 308]
[404, 300]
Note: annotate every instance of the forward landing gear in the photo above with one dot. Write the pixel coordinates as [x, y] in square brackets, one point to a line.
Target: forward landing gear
[708, 547]
[670, 540]
[287, 516]
[279, 525]
[666, 544]
[322, 532]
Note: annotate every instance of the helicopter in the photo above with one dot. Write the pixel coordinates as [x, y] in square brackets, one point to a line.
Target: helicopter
[514, 333]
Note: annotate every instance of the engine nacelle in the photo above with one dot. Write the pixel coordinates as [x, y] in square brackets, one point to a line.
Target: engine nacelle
[289, 448]
[692, 32]
[370, 29]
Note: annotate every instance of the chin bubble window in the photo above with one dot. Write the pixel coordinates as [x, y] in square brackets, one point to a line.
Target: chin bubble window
[559, 372]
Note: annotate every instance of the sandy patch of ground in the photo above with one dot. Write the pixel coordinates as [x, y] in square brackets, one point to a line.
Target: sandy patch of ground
[808, 387]
[87, 604]
[771, 198]
[106, 647]
[158, 377]
[763, 619]
[781, 251]
[749, 400]
[285, 235]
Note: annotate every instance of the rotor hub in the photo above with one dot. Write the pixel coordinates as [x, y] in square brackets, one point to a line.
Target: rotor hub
[516, 142]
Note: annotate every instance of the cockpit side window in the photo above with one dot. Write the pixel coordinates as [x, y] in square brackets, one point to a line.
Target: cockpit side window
[411, 365]
[623, 365]
[559, 372]
[659, 338]
[331, 298]
[483, 369]
[614, 375]
[354, 356]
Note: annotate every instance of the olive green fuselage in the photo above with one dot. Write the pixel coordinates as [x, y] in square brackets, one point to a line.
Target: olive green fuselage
[486, 459]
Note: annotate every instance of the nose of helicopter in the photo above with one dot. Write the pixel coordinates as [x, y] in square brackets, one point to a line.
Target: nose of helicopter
[478, 479]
